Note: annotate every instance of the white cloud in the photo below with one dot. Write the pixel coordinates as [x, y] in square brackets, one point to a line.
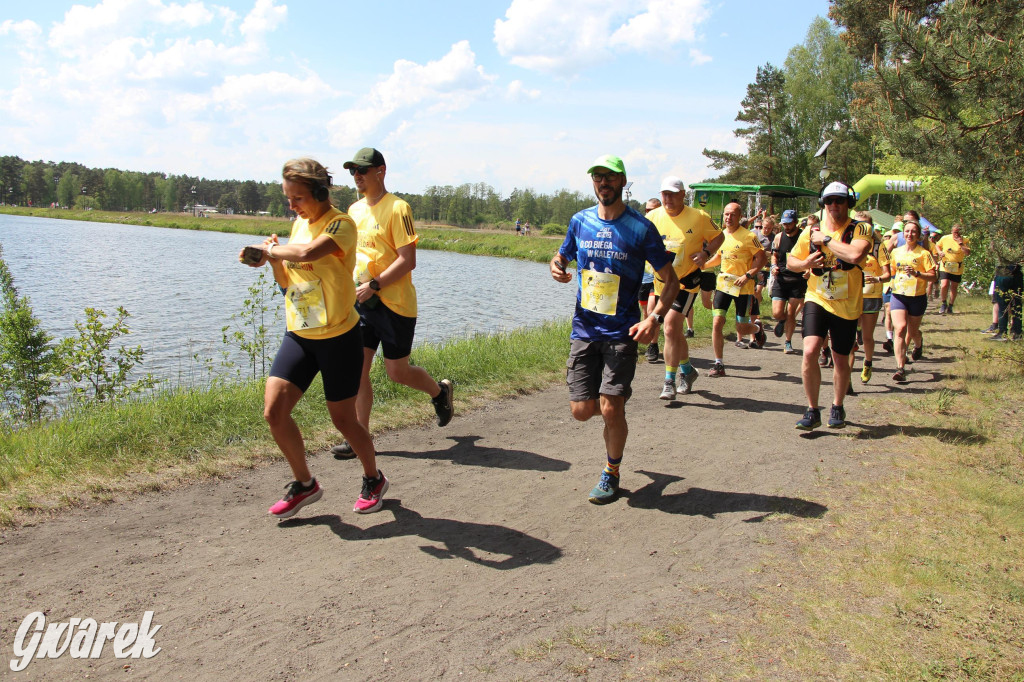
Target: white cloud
[140, 84]
[561, 36]
[192, 15]
[264, 18]
[448, 84]
[665, 23]
[272, 89]
[697, 57]
[517, 91]
[25, 31]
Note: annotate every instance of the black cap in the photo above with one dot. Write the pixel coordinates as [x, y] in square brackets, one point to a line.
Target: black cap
[365, 158]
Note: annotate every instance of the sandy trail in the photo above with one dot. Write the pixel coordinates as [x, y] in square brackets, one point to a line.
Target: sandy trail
[486, 561]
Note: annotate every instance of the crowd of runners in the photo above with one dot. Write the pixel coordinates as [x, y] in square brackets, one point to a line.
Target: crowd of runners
[347, 284]
[832, 273]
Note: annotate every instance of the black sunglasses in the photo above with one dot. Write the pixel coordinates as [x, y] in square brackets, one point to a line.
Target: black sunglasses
[360, 170]
[834, 200]
[601, 177]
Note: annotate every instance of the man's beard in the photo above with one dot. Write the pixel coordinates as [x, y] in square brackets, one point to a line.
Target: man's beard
[612, 201]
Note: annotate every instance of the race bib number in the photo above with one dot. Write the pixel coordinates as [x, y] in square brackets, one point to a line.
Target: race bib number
[362, 271]
[674, 246]
[304, 306]
[952, 267]
[904, 285]
[727, 284]
[599, 292]
[834, 285]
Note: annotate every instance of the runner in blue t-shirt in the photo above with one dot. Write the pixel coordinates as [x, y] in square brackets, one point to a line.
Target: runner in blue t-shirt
[610, 243]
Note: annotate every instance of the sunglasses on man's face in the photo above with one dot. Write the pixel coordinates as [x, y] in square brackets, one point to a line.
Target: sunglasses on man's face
[834, 200]
[601, 177]
[360, 171]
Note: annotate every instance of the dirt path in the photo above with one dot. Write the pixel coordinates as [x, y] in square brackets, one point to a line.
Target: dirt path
[487, 560]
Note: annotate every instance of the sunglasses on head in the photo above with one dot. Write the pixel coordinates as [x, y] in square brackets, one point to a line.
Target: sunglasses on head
[834, 200]
[360, 170]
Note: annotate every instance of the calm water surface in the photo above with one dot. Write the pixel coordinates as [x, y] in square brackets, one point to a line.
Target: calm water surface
[181, 287]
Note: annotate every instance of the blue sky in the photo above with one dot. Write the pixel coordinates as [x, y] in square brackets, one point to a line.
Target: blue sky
[517, 93]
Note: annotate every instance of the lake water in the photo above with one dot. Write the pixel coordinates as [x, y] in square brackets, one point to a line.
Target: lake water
[182, 287]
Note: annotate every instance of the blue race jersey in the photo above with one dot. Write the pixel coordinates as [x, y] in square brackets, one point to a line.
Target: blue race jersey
[610, 257]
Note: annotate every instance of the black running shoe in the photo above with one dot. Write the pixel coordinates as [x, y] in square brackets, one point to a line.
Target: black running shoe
[837, 417]
[343, 451]
[811, 420]
[444, 403]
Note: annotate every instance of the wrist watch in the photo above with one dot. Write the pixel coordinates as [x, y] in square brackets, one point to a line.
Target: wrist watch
[660, 319]
[826, 240]
[375, 285]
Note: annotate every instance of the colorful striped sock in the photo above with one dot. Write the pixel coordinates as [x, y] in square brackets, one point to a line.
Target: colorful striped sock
[685, 366]
[670, 373]
[612, 467]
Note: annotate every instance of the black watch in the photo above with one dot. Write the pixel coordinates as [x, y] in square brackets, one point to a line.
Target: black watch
[375, 285]
[826, 240]
[660, 319]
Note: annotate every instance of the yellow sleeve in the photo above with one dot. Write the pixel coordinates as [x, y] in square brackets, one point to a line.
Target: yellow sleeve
[802, 248]
[403, 231]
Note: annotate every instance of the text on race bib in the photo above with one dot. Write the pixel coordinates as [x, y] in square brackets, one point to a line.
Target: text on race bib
[834, 285]
[599, 292]
[304, 306]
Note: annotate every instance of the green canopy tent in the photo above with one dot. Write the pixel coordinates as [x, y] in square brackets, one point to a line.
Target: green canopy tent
[712, 197]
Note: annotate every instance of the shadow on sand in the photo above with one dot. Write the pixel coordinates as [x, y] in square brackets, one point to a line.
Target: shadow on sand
[708, 503]
[485, 544]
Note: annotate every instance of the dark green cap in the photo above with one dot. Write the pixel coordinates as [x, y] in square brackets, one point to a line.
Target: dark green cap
[364, 158]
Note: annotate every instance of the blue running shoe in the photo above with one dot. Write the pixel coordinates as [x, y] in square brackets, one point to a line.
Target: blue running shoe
[606, 490]
[811, 420]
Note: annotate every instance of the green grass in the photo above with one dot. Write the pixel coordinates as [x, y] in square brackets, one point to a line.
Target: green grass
[187, 433]
[917, 575]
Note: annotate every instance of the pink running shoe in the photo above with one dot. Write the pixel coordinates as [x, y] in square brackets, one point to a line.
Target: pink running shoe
[297, 497]
[372, 497]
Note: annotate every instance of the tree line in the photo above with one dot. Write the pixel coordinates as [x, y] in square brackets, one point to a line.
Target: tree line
[68, 184]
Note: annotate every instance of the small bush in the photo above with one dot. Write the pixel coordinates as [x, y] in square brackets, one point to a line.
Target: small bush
[553, 230]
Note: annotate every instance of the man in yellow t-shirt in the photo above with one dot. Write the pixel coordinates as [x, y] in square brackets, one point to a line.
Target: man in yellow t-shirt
[685, 230]
[834, 298]
[742, 260]
[951, 251]
[386, 297]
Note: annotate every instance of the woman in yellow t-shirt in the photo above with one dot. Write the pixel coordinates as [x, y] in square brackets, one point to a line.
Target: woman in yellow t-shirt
[913, 267]
[876, 272]
[323, 337]
[951, 252]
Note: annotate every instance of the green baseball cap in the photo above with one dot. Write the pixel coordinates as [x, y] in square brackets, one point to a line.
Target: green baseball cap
[612, 163]
[364, 158]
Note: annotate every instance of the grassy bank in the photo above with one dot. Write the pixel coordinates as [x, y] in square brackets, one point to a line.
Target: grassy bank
[186, 434]
[919, 573]
[458, 240]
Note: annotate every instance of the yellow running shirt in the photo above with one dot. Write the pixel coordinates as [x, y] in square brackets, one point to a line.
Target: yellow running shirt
[383, 229]
[840, 292]
[684, 236]
[320, 298]
[872, 267]
[951, 255]
[919, 259]
[737, 251]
